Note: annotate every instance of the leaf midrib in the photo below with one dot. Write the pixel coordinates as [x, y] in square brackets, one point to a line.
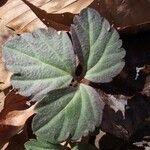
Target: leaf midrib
[44, 40]
[61, 111]
[41, 62]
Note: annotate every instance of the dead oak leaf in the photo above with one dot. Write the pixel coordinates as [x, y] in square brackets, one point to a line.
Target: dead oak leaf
[14, 115]
[19, 14]
[59, 7]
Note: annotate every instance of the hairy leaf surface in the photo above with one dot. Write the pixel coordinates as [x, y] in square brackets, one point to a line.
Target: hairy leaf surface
[41, 61]
[102, 54]
[68, 113]
[41, 145]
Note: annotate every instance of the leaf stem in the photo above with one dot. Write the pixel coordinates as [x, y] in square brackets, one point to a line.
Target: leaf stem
[85, 81]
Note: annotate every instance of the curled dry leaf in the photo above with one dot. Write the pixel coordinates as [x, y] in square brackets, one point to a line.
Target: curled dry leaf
[17, 15]
[14, 115]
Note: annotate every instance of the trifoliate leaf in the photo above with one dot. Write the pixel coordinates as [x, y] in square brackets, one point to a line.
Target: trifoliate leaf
[41, 145]
[70, 112]
[102, 54]
[41, 61]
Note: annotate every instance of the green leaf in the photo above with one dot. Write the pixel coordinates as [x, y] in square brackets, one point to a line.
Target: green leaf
[98, 46]
[34, 144]
[70, 112]
[41, 61]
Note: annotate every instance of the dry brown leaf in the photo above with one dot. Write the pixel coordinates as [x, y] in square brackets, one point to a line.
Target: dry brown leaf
[115, 102]
[14, 115]
[59, 7]
[126, 15]
[19, 16]
[13, 122]
[98, 137]
[2, 99]
[4, 73]
[4, 77]
[17, 141]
